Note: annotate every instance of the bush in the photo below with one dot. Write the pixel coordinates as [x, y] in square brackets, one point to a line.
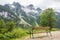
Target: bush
[10, 26]
[2, 26]
[4, 37]
[19, 32]
[16, 33]
[9, 32]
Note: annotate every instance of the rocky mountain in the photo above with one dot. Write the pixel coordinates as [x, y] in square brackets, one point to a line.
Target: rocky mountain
[23, 15]
[28, 15]
[58, 19]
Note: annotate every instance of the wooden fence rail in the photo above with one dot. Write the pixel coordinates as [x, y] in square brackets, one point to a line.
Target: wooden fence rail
[47, 29]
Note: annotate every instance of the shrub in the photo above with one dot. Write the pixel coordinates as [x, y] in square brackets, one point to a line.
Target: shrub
[10, 26]
[2, 26]
[19, 32]
[8, 31]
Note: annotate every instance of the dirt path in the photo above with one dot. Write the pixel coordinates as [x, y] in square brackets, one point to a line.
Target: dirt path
[43, 36]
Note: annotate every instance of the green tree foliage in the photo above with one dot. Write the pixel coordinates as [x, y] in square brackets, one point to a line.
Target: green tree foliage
[6, 27]
[48, 18]
[10, 25]
[8, 30]
[2, 26]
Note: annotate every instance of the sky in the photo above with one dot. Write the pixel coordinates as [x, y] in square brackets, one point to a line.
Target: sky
[37, 3]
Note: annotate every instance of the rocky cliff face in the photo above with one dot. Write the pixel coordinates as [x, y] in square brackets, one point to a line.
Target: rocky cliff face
[28, 15]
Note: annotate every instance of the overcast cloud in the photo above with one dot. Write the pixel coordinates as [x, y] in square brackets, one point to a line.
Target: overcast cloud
[38, 3]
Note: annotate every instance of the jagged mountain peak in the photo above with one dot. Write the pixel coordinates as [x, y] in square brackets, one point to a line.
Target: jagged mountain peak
[31, 7]
[28, 13]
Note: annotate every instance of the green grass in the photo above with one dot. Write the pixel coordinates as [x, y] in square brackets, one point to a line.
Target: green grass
[55, 29]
